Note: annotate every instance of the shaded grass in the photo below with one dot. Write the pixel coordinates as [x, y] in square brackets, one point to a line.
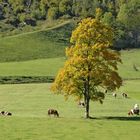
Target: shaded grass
[117, 118]
[29, 104]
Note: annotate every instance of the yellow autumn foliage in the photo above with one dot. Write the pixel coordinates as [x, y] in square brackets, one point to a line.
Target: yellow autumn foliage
[91, 62]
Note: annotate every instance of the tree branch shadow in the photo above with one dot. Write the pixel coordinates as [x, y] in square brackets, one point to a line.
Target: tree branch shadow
[132, 118]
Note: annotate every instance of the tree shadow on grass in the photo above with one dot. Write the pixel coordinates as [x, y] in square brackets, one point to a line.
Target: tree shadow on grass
[132, 118]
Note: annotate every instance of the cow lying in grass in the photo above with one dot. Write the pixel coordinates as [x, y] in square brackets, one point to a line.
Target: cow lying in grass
[133, 112]
[53, 112]
[5, 113]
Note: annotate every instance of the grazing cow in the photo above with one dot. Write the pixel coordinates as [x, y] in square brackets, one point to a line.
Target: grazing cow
[81, 103]
[124, 95]
[53, 112]
[114, 95]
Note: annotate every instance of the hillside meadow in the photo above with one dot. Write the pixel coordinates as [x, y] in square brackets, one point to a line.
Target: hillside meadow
[47, 43]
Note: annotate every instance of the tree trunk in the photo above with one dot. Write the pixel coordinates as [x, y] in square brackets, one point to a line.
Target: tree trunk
[87, 98]
[135, 39]
[87, 108]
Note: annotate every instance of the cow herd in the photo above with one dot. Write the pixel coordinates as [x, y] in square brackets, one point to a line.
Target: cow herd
[55, 113]
[124, 95]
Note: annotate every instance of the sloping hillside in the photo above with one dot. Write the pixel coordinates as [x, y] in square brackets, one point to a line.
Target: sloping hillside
[49, 43]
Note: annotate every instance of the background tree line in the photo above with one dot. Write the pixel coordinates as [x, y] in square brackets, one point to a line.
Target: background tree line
[122, 15]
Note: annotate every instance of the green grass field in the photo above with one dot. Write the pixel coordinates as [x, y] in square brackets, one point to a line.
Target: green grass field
[39, 67]
[130, 58]
[49, 67]
[29, 104]
[41, 53]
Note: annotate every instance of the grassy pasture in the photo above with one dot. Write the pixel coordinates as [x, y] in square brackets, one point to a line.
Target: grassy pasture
[49, 67]
[42, 54]
[129, 59]
[39, 67]
[29, 104]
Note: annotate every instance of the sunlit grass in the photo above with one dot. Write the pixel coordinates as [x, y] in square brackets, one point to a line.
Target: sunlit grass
[29, 104]
[39, 67]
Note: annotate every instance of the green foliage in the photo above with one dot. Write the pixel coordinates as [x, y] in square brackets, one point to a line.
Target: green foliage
[37, 14]
[65, 7]
[53, 13]
[25, 79]
[108, 18]
[17, 5]
[22, 17]
[132, 25]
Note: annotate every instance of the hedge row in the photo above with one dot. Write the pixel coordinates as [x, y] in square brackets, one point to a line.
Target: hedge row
[25, 79]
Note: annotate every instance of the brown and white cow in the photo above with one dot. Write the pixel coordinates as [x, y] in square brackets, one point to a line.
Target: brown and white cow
[53, 112]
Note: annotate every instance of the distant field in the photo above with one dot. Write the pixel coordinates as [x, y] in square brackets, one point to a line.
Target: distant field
[129, 59]
[29, 104]
[132, 88]
[49, 67]
[39, 67]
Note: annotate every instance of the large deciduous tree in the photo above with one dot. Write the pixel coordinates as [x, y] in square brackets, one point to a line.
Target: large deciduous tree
[91, 66]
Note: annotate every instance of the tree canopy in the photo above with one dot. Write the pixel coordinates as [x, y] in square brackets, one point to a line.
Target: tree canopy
[91, 64]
